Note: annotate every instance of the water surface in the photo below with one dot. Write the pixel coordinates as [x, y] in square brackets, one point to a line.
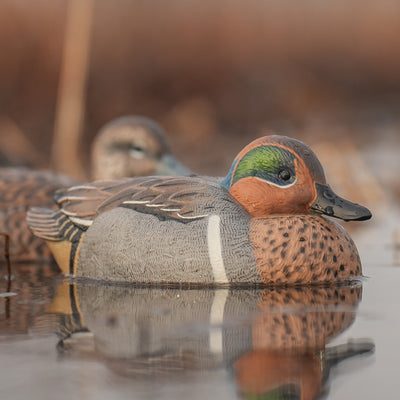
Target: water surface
[83, 340]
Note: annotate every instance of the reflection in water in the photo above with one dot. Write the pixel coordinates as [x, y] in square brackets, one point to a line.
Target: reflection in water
[272, 340]
[288, 375]
[25, 296]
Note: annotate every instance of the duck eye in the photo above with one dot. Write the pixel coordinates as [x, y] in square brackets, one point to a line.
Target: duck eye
[284, 175]
[136, 152]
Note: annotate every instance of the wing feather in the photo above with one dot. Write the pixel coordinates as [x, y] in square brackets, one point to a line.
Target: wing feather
[179, 198]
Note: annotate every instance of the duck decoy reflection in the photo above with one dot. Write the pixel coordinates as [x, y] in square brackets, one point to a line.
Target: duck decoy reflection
[262, 224]
[281, 375]
[272, 340]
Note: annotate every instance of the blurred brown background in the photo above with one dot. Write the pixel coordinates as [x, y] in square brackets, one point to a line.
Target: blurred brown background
[215, 74]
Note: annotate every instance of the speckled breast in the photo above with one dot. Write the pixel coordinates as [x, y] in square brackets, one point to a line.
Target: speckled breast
[303, 249]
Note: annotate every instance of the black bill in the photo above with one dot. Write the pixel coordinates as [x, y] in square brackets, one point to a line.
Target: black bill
[329, 203]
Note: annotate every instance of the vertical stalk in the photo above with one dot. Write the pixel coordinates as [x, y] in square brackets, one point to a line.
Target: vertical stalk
[72, 89]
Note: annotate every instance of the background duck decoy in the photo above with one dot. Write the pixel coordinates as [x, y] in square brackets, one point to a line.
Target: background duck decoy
[267, 338]
[133, 146]
[127, 146]
[264, 223]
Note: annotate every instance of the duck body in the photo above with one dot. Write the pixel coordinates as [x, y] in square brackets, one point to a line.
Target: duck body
[225, 246]
[20, 189]
[199, 230]
[208, 244]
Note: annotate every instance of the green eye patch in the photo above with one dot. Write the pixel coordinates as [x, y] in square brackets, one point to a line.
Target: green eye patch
[269, 163]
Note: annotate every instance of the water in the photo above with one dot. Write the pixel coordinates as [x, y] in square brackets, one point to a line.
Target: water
[88, 341]
[378, 318]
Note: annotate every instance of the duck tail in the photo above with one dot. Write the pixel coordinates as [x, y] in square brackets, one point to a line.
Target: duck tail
[60, 233]
[45, 223]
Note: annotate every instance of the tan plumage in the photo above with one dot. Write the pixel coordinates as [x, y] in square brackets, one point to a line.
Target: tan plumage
[133, 146]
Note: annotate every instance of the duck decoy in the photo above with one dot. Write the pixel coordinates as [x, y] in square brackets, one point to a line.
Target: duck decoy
[127, 146]
[133, 146]
[264, 223]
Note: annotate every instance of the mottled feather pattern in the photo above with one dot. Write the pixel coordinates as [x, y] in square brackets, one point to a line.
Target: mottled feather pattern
[18, 184]
[21, 188]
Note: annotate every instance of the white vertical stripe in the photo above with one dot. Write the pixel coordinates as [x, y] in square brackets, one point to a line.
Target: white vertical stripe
[214, 249]
[216, 320]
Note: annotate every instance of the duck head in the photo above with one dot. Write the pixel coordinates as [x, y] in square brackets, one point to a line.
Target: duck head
[280, 175]
[133, 146]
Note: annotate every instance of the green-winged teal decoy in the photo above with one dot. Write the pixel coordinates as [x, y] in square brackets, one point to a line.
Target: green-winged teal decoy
[263, 223]
[127, 146]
